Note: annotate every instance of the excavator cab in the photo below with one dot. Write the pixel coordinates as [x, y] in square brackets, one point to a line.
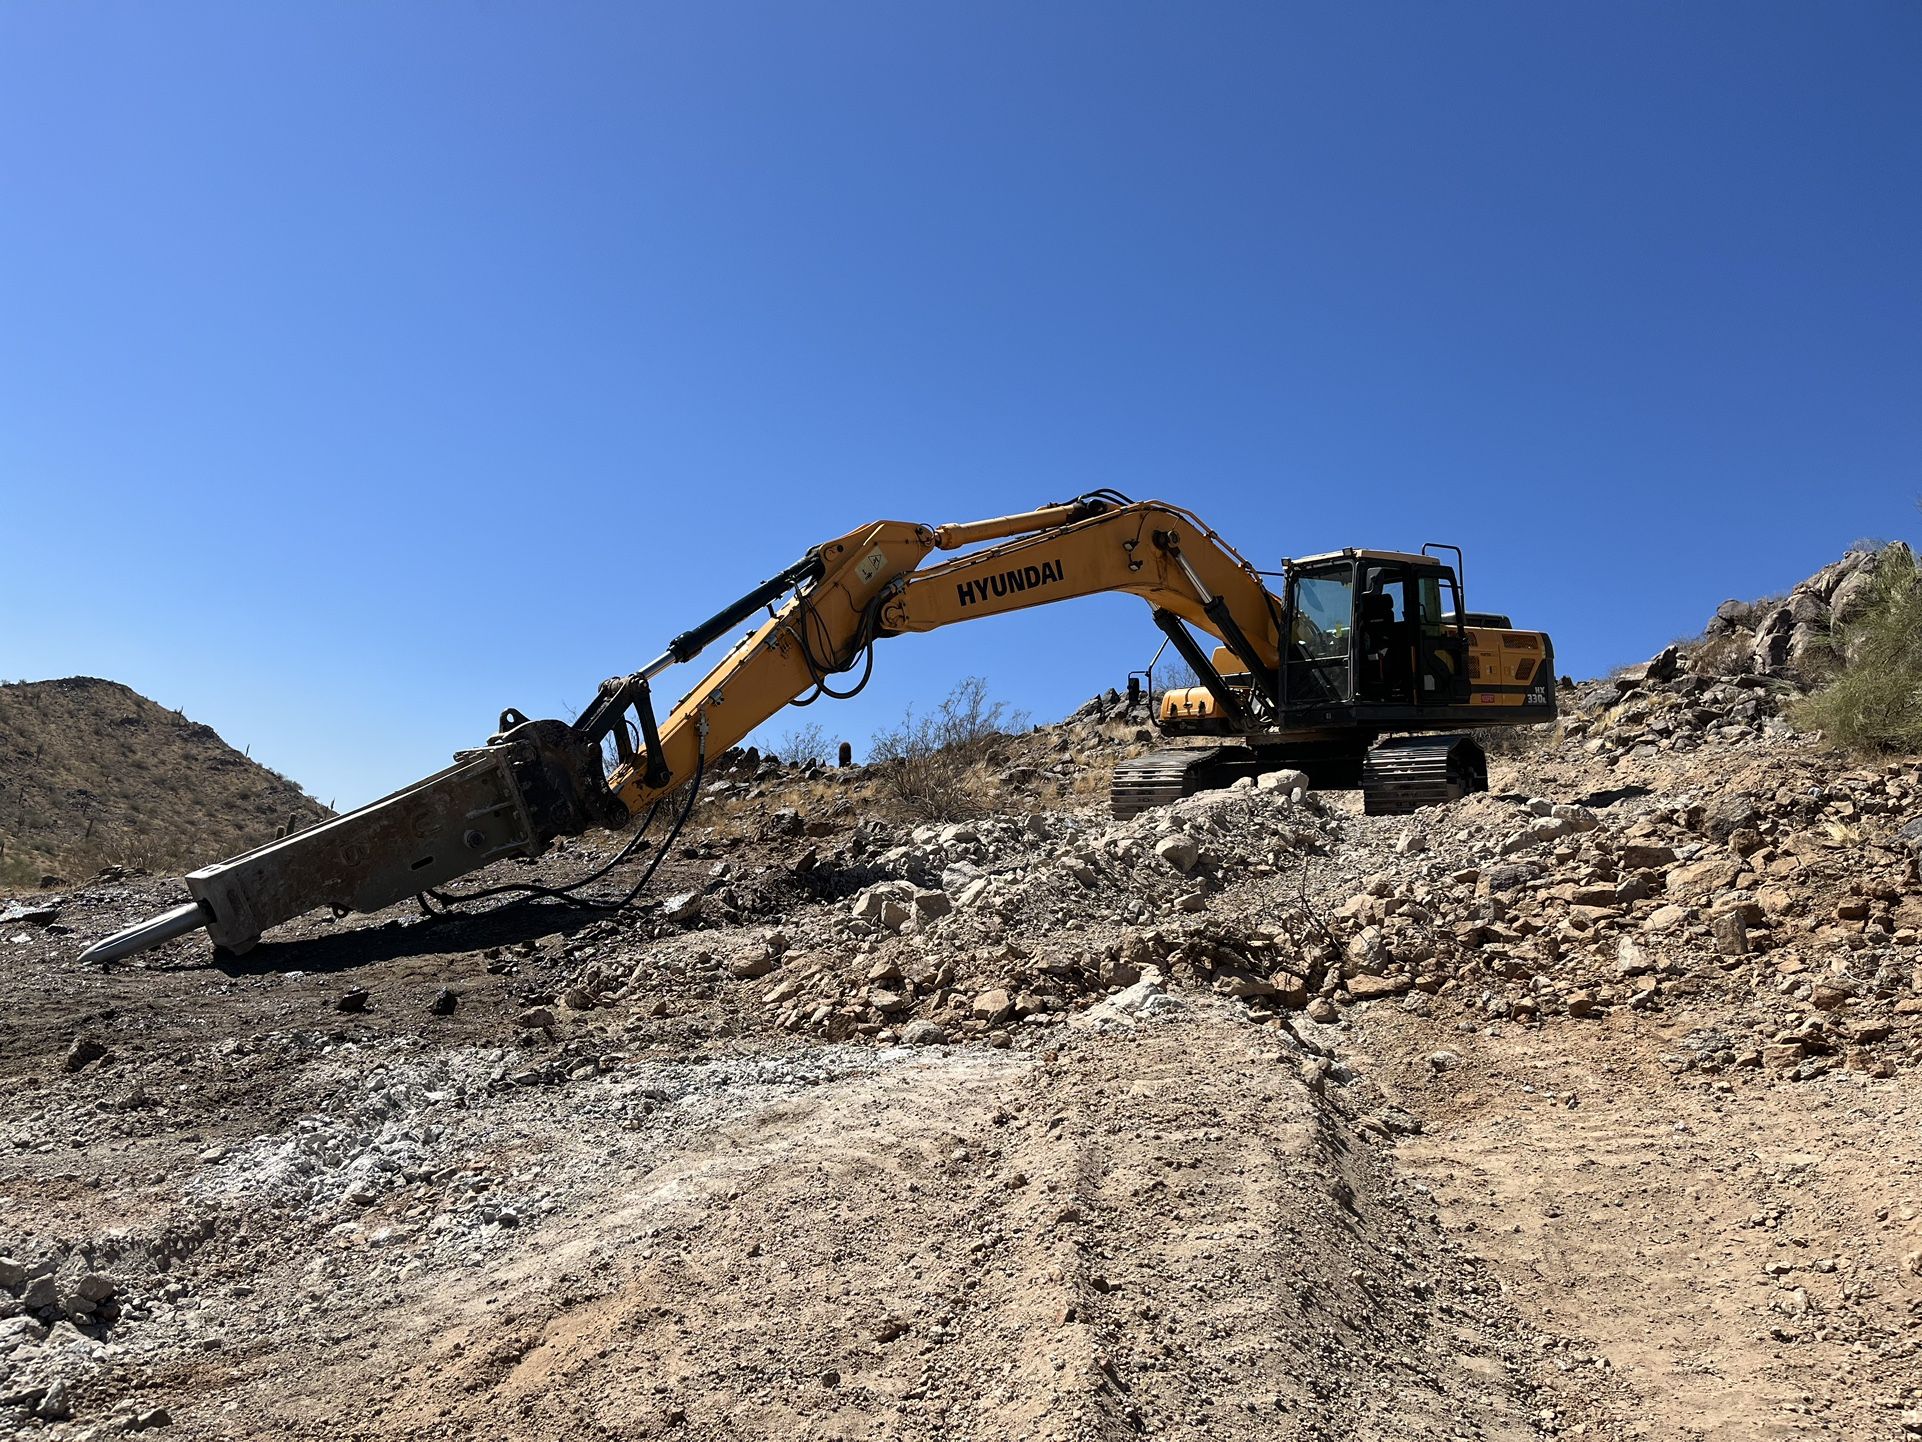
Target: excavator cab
[1379, 661]
[1373, 629]
[1374, 637]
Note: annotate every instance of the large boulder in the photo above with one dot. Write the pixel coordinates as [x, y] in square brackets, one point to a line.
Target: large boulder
[1662, 666]
[1729, 617]
[888, 903]
[1851, 599]
[1287, 782]
[1180, 851]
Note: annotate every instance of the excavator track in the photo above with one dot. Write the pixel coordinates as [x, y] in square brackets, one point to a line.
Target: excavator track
[1404, 773]
[1164, 776]
[1397, 775]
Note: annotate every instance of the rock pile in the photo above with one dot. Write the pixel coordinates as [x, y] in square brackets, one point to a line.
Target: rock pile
[934, 944]
[1796, 899]
[1647, 714]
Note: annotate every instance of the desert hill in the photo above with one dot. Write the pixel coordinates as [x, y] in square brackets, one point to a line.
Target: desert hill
[94, 774]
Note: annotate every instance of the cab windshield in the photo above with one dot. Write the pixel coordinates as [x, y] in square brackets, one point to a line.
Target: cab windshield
[1323, 606]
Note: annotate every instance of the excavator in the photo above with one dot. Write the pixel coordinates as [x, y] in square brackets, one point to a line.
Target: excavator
[1366, 671]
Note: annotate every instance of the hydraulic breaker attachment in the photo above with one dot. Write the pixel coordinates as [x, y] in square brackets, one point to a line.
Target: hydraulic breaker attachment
[532, 782]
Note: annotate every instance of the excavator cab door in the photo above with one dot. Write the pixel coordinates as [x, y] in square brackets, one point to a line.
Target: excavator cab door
[1385, 652]
[1443, 640]
[1407, 652]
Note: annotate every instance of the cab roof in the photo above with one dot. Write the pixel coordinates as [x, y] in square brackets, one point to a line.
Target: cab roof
[1352, 553]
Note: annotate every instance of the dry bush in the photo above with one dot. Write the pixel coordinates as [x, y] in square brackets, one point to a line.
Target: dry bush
[1874, 705]
[936, 767]
[1175, 675]
[1515, 740]
[1728, 654]
[806, 745]
[21, 870]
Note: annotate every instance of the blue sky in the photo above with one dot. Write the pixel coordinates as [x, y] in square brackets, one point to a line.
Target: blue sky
[367, 368]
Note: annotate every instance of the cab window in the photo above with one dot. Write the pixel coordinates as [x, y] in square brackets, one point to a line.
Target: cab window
[1431, 603]
[1323, 605]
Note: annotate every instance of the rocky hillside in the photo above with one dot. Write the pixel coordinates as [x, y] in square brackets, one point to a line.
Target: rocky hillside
[1795, 635]
[94, 774]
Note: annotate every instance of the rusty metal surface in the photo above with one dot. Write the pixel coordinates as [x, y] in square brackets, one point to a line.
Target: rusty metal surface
[454, 822]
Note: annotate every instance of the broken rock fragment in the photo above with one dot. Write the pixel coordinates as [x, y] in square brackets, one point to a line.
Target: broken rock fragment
[1180, 851]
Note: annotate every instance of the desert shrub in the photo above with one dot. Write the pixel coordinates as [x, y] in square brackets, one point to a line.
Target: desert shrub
[1874, 705]
[936, 766]
[1514, 740]
[1175, 675]
[805, 745]
[21, 870]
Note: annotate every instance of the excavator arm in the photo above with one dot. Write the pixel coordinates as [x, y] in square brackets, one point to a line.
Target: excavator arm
[1166, 556]
[872, 586]
[535, 781]
[825, 628]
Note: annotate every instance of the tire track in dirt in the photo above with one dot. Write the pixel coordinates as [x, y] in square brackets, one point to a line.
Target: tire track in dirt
[1102, 1240]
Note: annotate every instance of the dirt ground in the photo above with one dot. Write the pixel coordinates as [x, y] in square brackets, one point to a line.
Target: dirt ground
[1741, 1262]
